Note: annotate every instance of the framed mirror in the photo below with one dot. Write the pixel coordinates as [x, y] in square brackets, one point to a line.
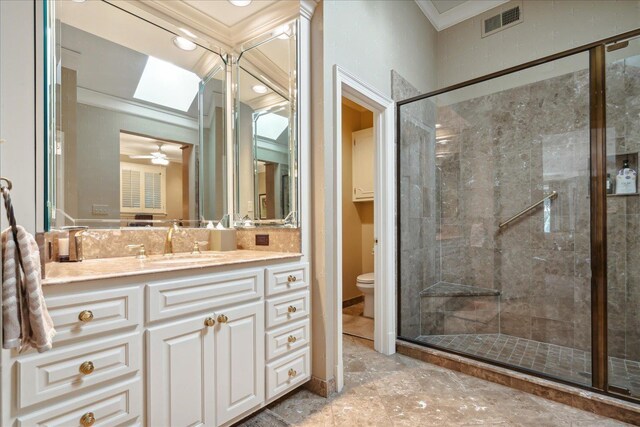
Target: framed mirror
[136, 121]
[266, 154]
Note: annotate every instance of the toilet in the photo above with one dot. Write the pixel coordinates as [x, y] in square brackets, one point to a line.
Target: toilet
[365, 283]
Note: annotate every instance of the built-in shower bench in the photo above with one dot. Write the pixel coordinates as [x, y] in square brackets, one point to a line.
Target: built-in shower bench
[453, 308]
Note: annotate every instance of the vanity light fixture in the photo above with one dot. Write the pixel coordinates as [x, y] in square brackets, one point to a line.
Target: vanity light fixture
[259, 89]
[160, 161]
[184, 44]
[240, 3]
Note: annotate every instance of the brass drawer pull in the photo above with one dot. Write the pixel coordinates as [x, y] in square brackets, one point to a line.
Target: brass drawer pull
[87, 368]
[291, 279]
[292, 373]
[88, 419]
[223, 319]
[292, 309]
[209, 321]
[85, 316]
[292, 339]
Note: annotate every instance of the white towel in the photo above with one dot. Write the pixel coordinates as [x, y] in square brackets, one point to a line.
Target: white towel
[26, 321]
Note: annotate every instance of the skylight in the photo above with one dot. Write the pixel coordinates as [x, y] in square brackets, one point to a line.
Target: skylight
[271, 125]
[168, 85]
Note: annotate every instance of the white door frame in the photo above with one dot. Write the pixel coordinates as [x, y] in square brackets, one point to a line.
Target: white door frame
[383, 108]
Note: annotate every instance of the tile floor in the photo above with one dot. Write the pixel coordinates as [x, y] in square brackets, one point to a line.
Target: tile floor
[561, 362]
[401, 391]
[354, 323]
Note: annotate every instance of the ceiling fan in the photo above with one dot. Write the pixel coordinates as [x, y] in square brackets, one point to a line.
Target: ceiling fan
[157, 157]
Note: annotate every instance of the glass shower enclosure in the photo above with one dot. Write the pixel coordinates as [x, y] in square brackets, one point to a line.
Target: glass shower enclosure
[515, 246]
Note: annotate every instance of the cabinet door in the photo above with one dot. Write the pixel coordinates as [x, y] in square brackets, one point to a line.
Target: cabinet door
[180, 374]
[363, 165]
[239, 360]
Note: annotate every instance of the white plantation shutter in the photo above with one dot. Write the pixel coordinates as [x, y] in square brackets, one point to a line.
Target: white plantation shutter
[142, 188]
[130, 188]
[153, 190]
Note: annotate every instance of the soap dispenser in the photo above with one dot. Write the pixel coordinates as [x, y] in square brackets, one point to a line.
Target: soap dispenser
[626, 179]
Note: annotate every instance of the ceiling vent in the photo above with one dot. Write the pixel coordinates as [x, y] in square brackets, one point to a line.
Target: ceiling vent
[502, 18]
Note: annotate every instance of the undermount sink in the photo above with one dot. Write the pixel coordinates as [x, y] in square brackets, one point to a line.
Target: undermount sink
[184, 259]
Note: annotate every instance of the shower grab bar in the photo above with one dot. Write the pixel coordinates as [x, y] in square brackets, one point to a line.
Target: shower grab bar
[553, 195]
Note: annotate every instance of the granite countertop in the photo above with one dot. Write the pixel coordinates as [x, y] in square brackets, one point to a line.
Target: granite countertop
[106, 268]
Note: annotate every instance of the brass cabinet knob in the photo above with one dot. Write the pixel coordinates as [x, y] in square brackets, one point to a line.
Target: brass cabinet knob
[223, 319]
[85, 316]
[292, 339]
[291, 279]
[87, 368]
[88, 419]
[292, 373]
[292, 309]
[209, 321]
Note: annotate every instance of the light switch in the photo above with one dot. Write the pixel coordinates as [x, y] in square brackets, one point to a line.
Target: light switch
[100, 209]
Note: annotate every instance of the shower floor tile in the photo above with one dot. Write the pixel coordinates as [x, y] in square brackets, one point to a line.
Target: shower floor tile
[566, 363]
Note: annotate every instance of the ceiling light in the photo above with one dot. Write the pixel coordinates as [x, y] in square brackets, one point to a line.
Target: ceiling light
[188, 33]
[259, 88]
[184, 44]
[168, 85]
[160, 161]
[240, 3]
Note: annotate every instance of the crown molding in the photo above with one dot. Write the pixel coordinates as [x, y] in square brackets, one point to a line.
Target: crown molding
[307, 7]
[441, 21]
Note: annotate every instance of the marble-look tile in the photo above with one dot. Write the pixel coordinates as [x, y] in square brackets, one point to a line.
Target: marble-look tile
[417, 393]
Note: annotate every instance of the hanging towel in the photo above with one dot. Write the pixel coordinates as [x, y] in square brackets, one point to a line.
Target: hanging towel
[26, 321]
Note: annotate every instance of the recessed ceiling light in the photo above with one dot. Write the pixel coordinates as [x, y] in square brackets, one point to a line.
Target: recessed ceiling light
[240, 3]
[259, 88]
[184, 44]
[188, 33]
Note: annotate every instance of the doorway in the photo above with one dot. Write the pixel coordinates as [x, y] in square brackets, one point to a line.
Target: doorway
[354, 89]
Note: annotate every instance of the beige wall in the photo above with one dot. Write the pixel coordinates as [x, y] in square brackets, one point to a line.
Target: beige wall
[357, 218]
[549, 26]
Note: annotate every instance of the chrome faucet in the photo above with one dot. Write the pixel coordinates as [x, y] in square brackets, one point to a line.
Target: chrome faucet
[168, 241]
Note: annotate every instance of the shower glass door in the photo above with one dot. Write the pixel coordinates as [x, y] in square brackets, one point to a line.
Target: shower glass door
[623, 217]
[494, 220]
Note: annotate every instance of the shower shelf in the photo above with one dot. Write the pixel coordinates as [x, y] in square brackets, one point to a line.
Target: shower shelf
[446, 289]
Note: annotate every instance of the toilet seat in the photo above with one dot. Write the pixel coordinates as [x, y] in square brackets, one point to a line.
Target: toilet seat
[366, 279]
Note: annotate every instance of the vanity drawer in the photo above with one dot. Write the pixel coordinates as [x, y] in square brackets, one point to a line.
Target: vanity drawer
[103, 311]
[113, 406]
[185, 296]
[287, 278]
[287, 372]
[286, 308]
[287, 339]
[44, 376]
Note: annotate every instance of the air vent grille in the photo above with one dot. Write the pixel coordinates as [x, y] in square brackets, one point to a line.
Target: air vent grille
[492, 24]
[510, 16]
[505, 18]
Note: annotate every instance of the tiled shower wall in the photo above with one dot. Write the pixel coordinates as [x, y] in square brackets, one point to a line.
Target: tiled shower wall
[419, 212]
[503, 152]
[623, 213]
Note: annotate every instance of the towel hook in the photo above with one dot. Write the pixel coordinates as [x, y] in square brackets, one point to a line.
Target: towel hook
[8, 181]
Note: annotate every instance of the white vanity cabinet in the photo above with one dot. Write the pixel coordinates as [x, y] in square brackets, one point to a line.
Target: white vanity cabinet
[206, 347]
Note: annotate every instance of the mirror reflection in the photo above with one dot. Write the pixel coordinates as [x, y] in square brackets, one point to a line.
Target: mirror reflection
[139, 122]
[266, 134]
